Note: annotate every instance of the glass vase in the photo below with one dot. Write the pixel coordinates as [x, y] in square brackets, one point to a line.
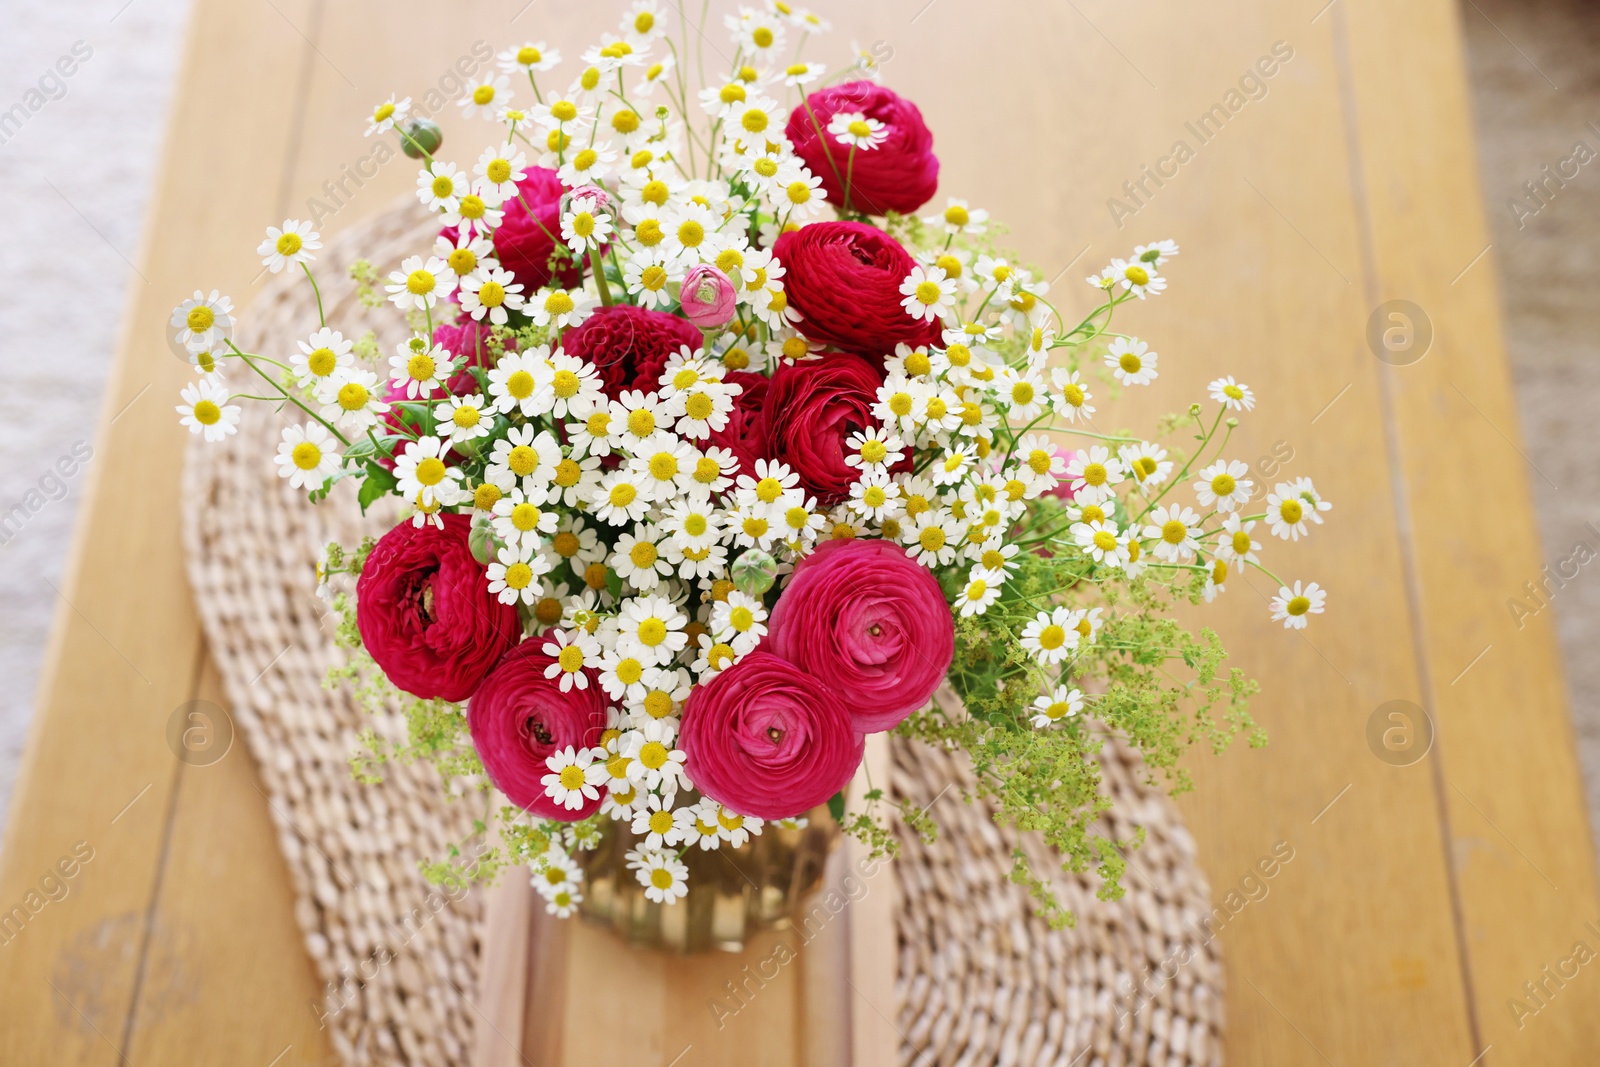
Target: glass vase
[732, 891]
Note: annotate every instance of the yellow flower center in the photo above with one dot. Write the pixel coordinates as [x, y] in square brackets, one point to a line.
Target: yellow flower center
[571, 659]
[706, 470]
[564, 111]
[565, 543]
[652, 632]
[1052, 637]
[522, 460]
[1291, 511]
[1298, 605]
[798, 192]
[643, 554]
[486, 496]
[483, 94]
[657, 705]
[956, 215]
[571, 778]
[1129, 362]
[1022, 393]
[622, 494]
[599, 424]
[443, 185]
[529, 55]
[1095, 474]
[900, 404]
[419, 283]
[558, 303]
[353, 396]
[931, 538]
[755, 527]
[1241, 542]
[1136, 274]
[1173, 532]
[384, 111]
[463, 261]
[691, 233]
[520, 576]
[859, 128]
[1039, 461]
[200, 319]
[661, 878]
[289, 244]
[525, 517]
[430, 471]
[1104, 541]
[1222, 484]
[874, 450]
[565, 384]
[641, 423]
[207, 413]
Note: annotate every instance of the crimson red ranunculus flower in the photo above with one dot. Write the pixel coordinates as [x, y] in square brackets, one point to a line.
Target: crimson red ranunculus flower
[812, 408]
[898, 175]
[844, 279]
[629, 346]
[523, 242]
[519, 718]
[764, 739]
[870, 624]
[425, 612]
[745, 433]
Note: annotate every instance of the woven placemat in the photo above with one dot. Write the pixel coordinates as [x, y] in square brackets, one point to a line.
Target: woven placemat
[982, 980]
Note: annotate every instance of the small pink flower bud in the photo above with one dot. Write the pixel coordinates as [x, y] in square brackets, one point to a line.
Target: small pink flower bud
[707, 297]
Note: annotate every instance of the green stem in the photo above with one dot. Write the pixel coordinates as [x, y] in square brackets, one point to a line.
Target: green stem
[320, 316]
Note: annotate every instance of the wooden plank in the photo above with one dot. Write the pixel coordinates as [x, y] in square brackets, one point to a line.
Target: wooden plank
[125, 650]
[1493, 682]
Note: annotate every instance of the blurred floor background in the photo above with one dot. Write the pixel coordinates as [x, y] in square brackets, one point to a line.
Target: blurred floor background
[76, 159]
[76, 163]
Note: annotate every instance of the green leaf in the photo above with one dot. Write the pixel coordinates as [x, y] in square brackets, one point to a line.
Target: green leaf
[613, 583]
[377, 483]
[836, 807]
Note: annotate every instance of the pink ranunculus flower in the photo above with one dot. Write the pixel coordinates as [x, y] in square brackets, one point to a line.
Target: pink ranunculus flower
[764, 739]
[519, 718]
[708, 297]
[870, 624]
[425, 612]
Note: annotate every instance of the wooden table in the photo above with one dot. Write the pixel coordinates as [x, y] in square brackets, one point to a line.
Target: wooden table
[1421, 898]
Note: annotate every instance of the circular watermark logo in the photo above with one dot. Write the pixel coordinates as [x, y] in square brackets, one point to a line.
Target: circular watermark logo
[1399, 732]
[1399, 332]
[199, 733]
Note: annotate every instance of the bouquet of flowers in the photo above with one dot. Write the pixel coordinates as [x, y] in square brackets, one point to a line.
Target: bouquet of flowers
[715, 457]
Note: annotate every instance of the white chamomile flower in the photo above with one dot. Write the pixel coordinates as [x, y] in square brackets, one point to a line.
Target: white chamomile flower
[533, 56]
[1314, 504]
[307, 455]
[1155, 254]
[1147, 463]
[1136, 277]
[560, 308]
[664, 468]
[995, 557]
[736, 829]
[649, 273]
[479, 212]
[617, 499]
[928, 293]
[387, 115]
[1098, 541]
[1051, 708]
[739, 621]
[463, 418]
[959, 217]
[1072, 395]
[932, 538]
[1223, 485]
[423, 475]
[292, 244]
[621, 798]
[1049, 636]
[526, 453]
[203, 322]
[622, 676]
[574, 385]
[1094, 473]
[1234, 544]
[205, 410]
[517, 382]
[1042, 459]
[420, 283]
[574, 779]
[501, 168]
[637, 559]
[978, 594]
[856, 130]
[441, 185]
[466, 252]
[800, 196]
[655, 763]
[417, 370]
[1292, 605]
[875, 497]
[573, 652]
[1023, 392]
[1172, 527]
[1131, 361]
[1233, 395]
[323, 355]
[954, 466]
[490, 292]
[873, 450]
[485, 99]
[656, 823]
[584, 226]
[1288, 513]
[652, 628]
[665, 879]
[797, 74]
[522, 522]
[352, 398]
